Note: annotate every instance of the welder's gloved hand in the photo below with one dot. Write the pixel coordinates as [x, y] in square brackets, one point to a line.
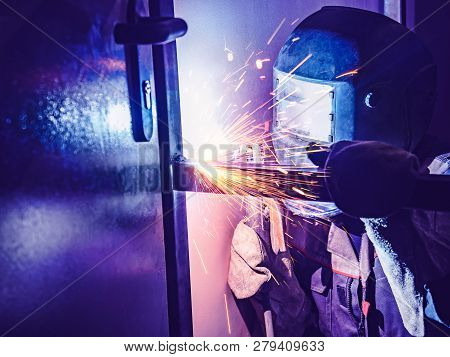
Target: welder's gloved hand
[368, 178]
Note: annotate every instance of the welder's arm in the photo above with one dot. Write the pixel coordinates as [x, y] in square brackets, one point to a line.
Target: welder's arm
[369, 179]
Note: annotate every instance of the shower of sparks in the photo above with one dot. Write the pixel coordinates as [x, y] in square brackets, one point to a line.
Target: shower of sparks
[247, 103]
[287, 234]
[240, 183]
[349, 73]
[200, 256]
[282, 99]
[243, 176]
[291, 72]
[228, 76]
[276, 31]
[230, 54]
[239, 85]
[303, 193]
[227, 313]
[229, 221]
[259, 62]
[249, 57]
[245, 182]
[295, 21]
[275, 279]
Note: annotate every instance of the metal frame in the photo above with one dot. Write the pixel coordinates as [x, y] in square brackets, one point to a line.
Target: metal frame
[173, 203]
[160, 30]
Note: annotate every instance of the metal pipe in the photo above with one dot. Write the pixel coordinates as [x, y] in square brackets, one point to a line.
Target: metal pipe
[173, 203]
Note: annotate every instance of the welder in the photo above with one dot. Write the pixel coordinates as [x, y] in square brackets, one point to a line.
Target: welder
[363, 86]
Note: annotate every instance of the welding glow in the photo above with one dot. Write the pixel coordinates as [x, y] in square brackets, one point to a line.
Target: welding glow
[208, 107]
[214, 104]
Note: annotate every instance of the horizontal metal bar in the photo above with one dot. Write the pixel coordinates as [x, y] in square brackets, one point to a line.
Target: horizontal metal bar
[150, 31]
[271, 181]
[432, 192]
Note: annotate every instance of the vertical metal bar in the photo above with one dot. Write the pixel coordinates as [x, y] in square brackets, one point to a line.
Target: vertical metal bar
[409, 13]
[403, 12]
[393, 9]
[173, 203]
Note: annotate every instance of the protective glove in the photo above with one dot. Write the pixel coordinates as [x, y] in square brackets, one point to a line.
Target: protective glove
[368, 179]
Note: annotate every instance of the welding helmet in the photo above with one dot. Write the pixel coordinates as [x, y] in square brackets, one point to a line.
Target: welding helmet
[350, 74]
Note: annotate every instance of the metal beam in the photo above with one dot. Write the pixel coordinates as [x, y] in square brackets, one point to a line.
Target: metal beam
[173, 203]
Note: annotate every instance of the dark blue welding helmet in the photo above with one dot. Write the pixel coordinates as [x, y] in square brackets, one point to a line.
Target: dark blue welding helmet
[351, 74]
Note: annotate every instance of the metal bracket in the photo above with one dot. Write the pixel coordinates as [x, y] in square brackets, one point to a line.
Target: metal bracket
[150, 31]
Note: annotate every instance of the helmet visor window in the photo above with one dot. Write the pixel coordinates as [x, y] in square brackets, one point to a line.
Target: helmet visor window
[303, 109]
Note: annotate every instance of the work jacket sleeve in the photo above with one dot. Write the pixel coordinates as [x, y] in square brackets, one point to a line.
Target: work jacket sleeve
[261, 269]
